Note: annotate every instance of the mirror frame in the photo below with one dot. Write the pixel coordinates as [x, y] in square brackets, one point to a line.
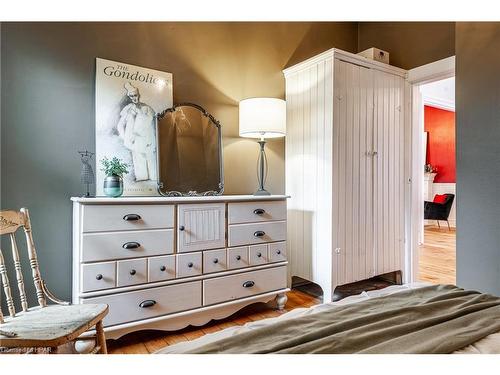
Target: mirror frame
[191, 193]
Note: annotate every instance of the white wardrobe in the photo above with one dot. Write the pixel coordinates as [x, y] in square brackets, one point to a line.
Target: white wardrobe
[346, 168]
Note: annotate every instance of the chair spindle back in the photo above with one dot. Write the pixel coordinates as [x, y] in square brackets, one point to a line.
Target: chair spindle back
[10, 222]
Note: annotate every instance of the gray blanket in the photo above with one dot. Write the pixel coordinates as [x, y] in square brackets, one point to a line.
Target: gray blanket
[433, 319]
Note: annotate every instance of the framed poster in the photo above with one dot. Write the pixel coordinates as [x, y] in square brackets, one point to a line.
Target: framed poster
[127, 97]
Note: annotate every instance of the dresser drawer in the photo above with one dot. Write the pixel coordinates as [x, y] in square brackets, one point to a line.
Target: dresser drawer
[131, 272]
[214, 261]
[98, 276]
[189, 264]
[277, 252]
[121, 245]
[237, 257]
[250, 212]
[99, 218]
[126, 307]
[243, 285]
[258, 254]
[247, 234]
[161, 268]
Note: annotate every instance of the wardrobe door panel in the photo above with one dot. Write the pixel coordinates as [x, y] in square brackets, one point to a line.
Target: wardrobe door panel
[389, 172]
[353, 198]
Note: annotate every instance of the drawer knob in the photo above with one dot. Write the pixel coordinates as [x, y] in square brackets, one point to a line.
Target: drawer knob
[278, 252]
[259, 211]
[248, 284]
[131, 245]
[190, 264]
[147, 303]
[163, 268]
[216, 260]
[132, 217]
[181, 228]
[99, 277]
[259, 233]
[238, 257]
[133, 272]
[259, 255]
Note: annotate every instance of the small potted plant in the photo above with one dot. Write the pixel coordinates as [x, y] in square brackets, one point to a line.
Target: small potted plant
[114, 169]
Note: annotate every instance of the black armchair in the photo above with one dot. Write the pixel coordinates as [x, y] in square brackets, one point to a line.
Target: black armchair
[439, 211]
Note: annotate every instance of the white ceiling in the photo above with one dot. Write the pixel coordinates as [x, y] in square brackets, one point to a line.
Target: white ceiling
[440, 94]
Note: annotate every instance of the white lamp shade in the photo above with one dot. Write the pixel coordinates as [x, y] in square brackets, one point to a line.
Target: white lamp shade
[262, 118]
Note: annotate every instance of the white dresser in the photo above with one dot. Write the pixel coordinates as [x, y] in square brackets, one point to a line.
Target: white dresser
[166, 263]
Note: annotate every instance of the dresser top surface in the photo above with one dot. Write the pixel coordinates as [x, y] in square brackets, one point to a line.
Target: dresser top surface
[217, 198]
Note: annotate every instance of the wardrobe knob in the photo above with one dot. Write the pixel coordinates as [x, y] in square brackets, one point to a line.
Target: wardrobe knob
[181, 228]
[278, 252]
[238, 257]
[259, 211]
[163, 268]
[259, 233]
[337, 250]
[190, 264]
[99, 277]
[133, 272]
[216, 260]
[259, 255]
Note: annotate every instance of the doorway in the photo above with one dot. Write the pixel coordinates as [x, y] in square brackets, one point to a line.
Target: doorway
[437, 251]
[432, 252]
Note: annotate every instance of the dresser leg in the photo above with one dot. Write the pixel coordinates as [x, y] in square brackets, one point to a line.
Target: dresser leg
[281, 300]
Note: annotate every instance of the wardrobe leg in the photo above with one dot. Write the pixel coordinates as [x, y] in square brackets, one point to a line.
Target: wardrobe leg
[448, 224]
[439, 226]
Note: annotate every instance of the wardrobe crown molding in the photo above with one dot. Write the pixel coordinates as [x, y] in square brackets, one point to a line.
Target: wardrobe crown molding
[347, 57]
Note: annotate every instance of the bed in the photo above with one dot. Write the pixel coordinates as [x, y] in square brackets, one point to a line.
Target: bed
[422, 317]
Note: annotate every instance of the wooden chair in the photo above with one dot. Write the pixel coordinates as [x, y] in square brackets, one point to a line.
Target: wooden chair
[44, 326]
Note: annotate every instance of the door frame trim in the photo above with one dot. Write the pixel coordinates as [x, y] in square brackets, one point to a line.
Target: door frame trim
[435, 71]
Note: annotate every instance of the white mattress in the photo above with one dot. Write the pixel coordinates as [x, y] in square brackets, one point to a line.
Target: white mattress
[487, 345]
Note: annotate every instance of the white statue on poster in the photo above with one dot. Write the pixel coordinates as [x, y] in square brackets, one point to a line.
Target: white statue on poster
[127, 99]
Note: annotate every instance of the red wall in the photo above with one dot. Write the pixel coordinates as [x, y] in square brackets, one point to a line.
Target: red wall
[441, 142]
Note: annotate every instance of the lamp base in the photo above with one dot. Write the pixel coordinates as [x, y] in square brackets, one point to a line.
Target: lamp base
[262, 192]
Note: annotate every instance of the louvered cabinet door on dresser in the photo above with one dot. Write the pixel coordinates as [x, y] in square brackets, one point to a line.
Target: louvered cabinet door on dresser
[346, 155]
[166, 263]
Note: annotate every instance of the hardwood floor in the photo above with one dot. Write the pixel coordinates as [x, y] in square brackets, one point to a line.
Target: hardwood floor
[437, 256]
[150, 341]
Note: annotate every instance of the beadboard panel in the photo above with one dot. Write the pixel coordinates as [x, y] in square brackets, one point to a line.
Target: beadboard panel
[201, 227]
[353, 259]
[389, 187]
[309, 94]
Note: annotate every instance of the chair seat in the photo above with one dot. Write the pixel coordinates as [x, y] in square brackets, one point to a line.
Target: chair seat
[53, 325]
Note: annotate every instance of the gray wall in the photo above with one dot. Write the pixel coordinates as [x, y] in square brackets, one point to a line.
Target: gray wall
[410, 44]
[478, 155]
[48, 103]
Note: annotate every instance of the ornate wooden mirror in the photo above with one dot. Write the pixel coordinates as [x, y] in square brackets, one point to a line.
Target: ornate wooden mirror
[189, 152]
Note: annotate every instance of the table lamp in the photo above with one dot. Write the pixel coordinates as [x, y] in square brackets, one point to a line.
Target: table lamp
[262, 118]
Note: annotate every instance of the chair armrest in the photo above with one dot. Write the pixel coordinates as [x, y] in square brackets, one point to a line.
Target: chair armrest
[53, 298]
[433, 204]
